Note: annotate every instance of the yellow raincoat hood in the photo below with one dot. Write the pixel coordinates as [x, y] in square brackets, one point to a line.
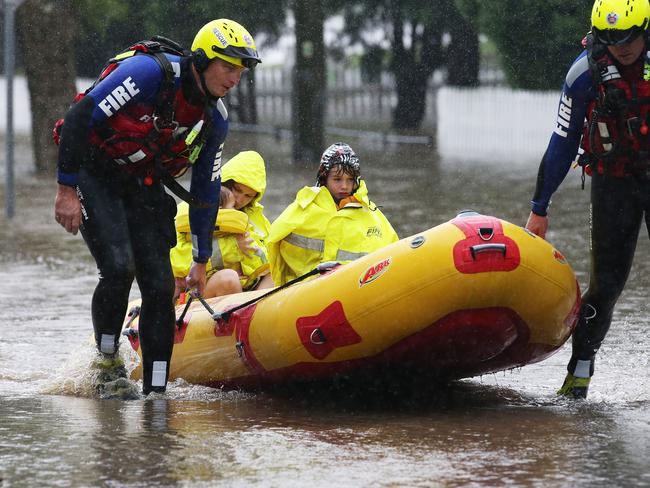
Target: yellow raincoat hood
[247, 168]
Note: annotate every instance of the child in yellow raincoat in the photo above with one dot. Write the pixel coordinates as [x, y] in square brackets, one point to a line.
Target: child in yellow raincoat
[332, 221]
[239, 256]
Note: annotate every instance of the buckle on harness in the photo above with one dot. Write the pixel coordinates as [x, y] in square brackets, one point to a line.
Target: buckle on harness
[159, 125]
[634, 126]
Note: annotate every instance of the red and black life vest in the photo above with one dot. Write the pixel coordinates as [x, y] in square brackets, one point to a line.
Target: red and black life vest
[140, 140]
[616, 136]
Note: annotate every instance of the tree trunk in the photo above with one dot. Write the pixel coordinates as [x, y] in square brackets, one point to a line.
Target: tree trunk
[411, 89]
[412, 67]
[45, 32]
[245, 104]
[463, 54]
[308, 82]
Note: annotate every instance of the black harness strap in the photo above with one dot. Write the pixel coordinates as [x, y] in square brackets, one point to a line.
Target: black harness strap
[164, 115]
[177, 189]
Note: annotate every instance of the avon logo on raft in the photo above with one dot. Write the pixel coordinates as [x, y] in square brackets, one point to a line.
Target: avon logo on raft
[374, 272]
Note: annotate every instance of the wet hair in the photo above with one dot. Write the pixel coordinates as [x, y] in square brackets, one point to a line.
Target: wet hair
[230, 184]
[338, 155]
[225, 195]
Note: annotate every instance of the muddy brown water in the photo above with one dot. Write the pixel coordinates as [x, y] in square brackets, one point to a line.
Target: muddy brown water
[504, 429]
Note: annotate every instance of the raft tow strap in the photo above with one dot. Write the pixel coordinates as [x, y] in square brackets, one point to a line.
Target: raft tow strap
[133, 314]
[225, 315]
[179, 320]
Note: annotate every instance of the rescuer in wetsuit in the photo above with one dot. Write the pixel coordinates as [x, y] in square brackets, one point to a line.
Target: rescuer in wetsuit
[608, 86]
[151, 114]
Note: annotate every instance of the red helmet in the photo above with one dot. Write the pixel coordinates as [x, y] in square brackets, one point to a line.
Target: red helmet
[338, 154]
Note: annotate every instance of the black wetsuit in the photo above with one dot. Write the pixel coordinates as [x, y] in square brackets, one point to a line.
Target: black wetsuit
[618, 206]
[127, 223]
[129, 229]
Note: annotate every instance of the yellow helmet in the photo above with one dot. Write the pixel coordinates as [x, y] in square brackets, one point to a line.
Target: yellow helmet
[619, 21]
[227, 40]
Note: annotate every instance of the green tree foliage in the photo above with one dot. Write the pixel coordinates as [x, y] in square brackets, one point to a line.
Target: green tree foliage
[537, 41]
[108, 26]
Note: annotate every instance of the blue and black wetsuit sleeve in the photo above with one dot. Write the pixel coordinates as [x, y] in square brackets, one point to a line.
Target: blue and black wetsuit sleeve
[563, 147]
[206, 185]
[135, 80]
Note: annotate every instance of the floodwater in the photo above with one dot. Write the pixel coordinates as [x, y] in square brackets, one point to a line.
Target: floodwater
[504, 429]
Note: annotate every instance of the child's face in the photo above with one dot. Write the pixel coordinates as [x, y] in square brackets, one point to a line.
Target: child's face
[243, 195]
[339, 183]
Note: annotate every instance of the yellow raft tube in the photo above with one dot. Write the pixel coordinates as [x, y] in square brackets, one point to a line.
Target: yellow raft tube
[471, 296]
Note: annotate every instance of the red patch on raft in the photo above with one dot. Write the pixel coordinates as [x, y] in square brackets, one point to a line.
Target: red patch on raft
[485, 247]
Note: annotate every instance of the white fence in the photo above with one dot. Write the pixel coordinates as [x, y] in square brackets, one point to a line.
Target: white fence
[350, 100]
[493, 124]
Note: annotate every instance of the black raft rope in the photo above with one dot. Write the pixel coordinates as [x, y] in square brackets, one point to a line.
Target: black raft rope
[225, 315]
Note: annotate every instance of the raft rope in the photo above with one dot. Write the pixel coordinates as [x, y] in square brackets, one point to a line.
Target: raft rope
[179, 320]
[133, 314]
[225, 315]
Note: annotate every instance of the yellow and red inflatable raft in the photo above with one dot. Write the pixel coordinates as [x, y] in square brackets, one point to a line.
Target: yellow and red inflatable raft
[471, 296]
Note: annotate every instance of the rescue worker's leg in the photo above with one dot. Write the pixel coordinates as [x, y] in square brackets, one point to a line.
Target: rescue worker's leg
[105, 230]
[151, 213]
[616, 216]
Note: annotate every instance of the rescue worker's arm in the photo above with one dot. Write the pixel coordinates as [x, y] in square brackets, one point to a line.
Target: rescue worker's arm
[205, 186]
[73, 147]
[67, 208]
[537, 224]
[564, 142]
[196, 277]
[134, 80]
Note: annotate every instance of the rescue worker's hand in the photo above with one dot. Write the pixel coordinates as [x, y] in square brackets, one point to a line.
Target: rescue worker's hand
[196, 277]
[245, 243]
[180, 287]
[537, 224]
[67, 208]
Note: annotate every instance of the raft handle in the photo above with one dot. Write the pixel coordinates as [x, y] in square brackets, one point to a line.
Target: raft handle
[320, 339]
[133, 314]
[486, 233]
[479, 248]
[130, 333]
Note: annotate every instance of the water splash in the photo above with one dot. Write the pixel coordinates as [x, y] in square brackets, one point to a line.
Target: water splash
[78, 376]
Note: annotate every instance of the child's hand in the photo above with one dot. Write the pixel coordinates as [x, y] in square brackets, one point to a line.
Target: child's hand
[246, 244]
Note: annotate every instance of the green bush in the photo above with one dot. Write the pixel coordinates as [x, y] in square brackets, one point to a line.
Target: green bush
[536, 41]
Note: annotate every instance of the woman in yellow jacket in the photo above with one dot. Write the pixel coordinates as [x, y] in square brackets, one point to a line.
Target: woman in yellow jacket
[239, 255]
[332, 221]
